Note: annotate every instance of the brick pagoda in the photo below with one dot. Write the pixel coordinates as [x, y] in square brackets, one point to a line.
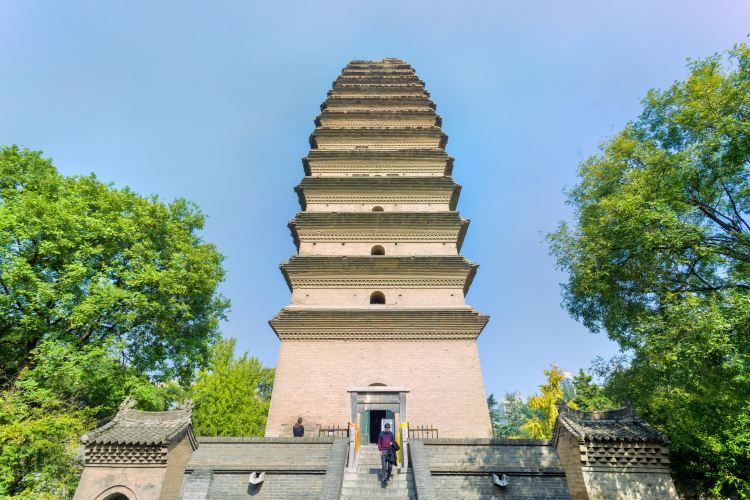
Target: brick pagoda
[378, 284]
[377, 329]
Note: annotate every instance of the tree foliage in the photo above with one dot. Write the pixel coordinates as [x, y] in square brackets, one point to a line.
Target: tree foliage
[587, 395]
[66, 393]
[541, 425]
[82, 262]
[659, 259]
[508, 419]
[232, 397]
[103, 295]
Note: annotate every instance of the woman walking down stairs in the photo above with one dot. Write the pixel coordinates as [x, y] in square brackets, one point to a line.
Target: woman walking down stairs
[365, 483]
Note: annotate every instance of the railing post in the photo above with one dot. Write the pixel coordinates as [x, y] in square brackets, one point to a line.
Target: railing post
[353, 446]
[404, 462]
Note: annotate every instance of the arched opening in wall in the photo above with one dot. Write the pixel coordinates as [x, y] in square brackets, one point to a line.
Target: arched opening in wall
[377, 250]
[377, 209]
[377, 384]
[377, 298]
[118, 492]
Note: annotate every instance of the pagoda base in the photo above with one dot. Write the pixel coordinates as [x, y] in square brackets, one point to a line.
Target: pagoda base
[443, 377]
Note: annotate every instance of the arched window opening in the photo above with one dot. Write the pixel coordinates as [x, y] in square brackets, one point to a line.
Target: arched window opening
[377, 384]
[377, 209]
[116, 496]
[377, 250]
[377, 298]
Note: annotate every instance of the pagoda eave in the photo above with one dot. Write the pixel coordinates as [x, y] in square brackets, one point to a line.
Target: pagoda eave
[383, 323]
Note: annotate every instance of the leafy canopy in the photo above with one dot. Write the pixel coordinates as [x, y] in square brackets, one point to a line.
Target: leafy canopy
[541, 425]
[83, 263]
[232, 397]
[102, 293]
[507, 422]
[659, 259]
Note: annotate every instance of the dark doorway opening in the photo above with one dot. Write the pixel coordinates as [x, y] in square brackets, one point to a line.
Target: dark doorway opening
[375, 425]
[376, 416]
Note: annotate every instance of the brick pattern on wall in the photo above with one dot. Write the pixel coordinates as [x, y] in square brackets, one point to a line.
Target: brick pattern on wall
[462, 469]
[444, 379]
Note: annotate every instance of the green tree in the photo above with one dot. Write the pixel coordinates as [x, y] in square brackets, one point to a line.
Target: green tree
[541, 425]
[82, 262]
[53, 403]
[659, 259]
[507, 422]
[232, 397]
[103, 295]
[588, 395]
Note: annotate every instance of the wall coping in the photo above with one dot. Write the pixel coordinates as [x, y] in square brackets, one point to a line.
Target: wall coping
[264, 440]
[484, 442]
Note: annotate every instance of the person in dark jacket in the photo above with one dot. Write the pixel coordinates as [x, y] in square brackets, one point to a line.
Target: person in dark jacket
[298, 430]
[385, 440]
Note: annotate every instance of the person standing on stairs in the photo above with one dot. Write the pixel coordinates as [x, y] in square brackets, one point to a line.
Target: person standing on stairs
[385, 440]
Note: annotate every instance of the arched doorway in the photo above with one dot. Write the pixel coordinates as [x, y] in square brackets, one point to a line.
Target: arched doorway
[117, 493]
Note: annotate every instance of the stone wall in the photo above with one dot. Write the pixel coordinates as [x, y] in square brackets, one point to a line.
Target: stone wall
[444, 377]
[463, 468]
[570, 458]
[294, 468]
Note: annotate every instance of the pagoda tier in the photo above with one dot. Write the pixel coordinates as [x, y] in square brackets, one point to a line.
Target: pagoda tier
[332, 194]
[378, 272]
[378, 79]
[293, 323]
[378, 138]
[361, 162]
[364, 119]
[379, 227]
[376, 102]
[380, 90]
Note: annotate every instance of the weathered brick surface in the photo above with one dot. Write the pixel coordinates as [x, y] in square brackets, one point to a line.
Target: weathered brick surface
[570, 458]
[234, 485]
[462, 469]
[295, 468]
[444, 378]
[335, 471]
[421, 470]
[491, 455]
[197, 484]
[636, 485]
[306, 454]
[476, 487]
[178, 456]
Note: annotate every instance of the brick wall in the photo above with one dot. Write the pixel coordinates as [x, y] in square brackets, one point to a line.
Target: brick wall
[234, 485]
[456, 487]
[570, 458]
[463, 468]
[144, 482]
[177, 457]
[603, 485]
[444, 378]
[295, 468]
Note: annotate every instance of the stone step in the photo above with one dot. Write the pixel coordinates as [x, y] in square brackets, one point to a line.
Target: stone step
[384, 493]
[351, 490]
[375, 478]
[368, 496]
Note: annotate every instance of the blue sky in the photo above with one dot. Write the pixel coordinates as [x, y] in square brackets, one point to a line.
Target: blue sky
[214, 102]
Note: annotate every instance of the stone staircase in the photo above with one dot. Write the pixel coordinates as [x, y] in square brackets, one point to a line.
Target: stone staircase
[365, 482]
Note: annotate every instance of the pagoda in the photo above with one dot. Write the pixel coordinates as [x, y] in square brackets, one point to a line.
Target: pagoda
[377, 331]
[378, 327]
